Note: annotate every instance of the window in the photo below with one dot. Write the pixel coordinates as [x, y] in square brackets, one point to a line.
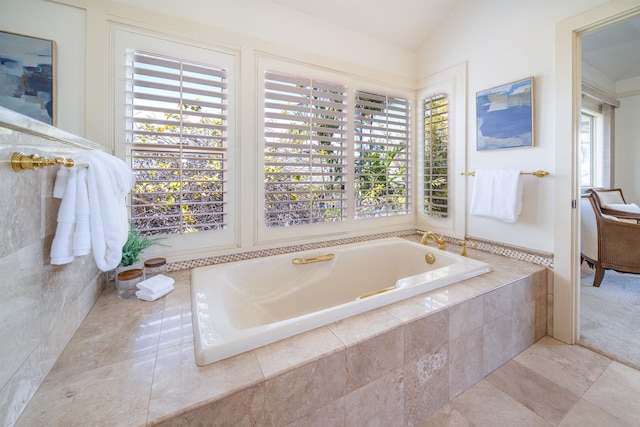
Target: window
[436, 156]
[382, 173]
[331, 154]
[304, 150]
[587, 149]
[177, 143]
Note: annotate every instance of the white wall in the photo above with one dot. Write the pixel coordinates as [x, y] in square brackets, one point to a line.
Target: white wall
[66, 26]
[627, 148]
[504, 41]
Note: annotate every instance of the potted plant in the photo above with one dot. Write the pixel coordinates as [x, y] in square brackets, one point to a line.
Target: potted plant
[130, 263]
[134, 245]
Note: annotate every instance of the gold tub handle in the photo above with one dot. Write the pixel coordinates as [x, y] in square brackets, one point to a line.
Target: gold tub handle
[379, 291]
[299, 261]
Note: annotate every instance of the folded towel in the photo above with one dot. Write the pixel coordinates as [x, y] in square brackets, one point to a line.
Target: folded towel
[155, 284]
[62, 244]
[152, 296]
[497, 194]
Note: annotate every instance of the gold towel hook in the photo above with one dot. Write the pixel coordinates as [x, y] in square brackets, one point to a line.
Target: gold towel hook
[21, 162]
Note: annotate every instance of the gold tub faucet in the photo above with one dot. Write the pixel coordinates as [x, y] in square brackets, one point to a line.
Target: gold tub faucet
[441, 241]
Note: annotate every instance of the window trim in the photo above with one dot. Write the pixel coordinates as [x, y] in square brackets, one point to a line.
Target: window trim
[123, 37]
[264, 235]
[453, 83]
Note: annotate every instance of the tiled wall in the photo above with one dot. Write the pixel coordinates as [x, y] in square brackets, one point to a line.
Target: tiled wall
[41, 306]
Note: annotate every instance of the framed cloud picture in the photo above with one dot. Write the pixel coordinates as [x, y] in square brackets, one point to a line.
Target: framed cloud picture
[505, 116]
[27, 76]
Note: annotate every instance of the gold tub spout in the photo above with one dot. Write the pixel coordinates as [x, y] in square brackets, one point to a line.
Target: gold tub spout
[299, 261]
[441, 241]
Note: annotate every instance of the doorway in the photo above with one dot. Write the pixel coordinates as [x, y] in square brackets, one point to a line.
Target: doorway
[566, 277]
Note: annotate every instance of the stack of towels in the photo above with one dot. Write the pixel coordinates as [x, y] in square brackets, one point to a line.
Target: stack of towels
[92, 214]
[155, 287]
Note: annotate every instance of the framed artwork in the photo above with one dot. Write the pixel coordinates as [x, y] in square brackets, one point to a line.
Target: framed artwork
[505, 116]
[27, 76]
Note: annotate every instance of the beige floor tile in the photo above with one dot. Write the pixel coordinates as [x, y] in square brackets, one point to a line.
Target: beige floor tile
[486, 405]
[616, 398]
[542, 396]
[570, 366]
[447, 416]
[585, 414]
[624, 375]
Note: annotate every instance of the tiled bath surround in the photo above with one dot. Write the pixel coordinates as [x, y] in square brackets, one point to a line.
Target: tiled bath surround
[132, 362]
[41, 306]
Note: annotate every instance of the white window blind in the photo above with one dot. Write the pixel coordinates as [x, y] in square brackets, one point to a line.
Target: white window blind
[382, 173]
[177, 143]
[436, 156]
[304, 150]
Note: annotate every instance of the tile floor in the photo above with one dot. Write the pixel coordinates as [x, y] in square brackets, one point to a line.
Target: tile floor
[549, 384]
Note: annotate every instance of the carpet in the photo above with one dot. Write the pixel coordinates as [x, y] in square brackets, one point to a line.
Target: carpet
[610, 316]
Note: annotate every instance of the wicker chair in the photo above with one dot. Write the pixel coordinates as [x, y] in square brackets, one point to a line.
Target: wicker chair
[607, 243]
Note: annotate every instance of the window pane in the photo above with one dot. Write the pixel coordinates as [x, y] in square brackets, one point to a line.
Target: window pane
[178, 142]
[436, 156]
[587, 144]
[304, 150]
[382, 127]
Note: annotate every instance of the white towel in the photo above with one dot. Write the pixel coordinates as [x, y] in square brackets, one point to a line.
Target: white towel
[155, 287]
[62, 244]
[148, 296]
[103, 188]
[82, 234]
[497, 194]
[109, 179]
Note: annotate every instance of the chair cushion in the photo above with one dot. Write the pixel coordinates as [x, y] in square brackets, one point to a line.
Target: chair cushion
[623, 207]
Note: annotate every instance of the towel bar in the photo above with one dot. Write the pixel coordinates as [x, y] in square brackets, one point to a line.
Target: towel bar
[21, 162]
[538, 173]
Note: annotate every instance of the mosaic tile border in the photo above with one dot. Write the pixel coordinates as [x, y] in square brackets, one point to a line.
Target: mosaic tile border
[491, 247]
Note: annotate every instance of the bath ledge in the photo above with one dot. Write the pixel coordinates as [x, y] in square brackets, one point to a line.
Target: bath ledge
[521, 254]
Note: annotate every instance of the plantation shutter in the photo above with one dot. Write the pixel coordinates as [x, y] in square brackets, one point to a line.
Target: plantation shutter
[382, 174]
[304, 150]
[177, 144]
[436, 156]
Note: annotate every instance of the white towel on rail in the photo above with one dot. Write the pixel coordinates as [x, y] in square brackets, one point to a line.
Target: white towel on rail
[65, 188]
[497, 194]
[109, 180]
[92, 212]
[82, 234]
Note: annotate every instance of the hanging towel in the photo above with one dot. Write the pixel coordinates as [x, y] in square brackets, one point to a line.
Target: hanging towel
[497, 194]
[155, 287]
[65, 188]
[82, 234]
[92, 213]
[109, 180]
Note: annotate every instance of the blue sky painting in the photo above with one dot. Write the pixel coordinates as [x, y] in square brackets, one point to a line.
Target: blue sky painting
[504, 116]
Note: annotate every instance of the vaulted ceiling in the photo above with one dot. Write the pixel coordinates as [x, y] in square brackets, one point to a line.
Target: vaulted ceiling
[615, 50]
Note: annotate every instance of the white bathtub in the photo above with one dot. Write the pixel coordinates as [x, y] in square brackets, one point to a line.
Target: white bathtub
[243, 305]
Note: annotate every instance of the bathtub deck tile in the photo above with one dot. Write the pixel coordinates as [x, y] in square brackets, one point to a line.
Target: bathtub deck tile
[364, 326]
[415, 308]
[297, 351]
[179, 385]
